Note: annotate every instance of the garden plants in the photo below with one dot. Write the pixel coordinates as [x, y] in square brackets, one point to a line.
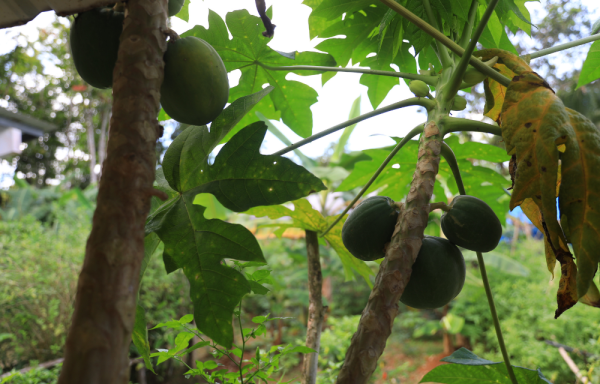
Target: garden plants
[553, 152]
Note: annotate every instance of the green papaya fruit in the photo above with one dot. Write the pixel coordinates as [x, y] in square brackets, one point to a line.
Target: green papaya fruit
[437, 277]
[419, 88]
[472, 76]
[370, 227]
[195, 88]
[94, 41]
[175, 6]
[459, 103]
[472, 224]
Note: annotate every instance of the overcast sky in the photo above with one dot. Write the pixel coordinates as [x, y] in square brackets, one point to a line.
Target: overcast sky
[335, 98]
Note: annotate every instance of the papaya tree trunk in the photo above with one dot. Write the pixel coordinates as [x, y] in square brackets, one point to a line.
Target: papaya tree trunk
[375, 324]
[97, 346]
[315, 309]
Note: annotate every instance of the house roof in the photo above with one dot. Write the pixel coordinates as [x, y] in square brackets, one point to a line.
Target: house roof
[17, 12]
[30, 126]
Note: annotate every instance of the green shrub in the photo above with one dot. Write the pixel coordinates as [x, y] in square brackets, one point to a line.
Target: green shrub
[35, 376]
[526, 308]
[38, 269]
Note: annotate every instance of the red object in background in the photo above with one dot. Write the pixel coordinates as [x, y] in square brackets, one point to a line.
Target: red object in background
[79, 87]
[384, 375]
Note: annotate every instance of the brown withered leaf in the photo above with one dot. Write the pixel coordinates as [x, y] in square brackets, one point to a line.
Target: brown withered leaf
[494, 91]
[592, 297]
[557, 151]
[579, 197]
[532, 211]
[566, 296]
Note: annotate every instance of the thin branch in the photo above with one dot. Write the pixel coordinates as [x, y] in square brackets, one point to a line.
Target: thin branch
[459, 71]
[431, 80]
[415, 131]
[442, 51]
[490, 298]
[561, 47]
[466, 34]
[413, 101]
[451, 159]
[457, 124]
[457, 49]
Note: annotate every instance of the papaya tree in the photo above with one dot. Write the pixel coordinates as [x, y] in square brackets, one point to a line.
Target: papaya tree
[552, 152]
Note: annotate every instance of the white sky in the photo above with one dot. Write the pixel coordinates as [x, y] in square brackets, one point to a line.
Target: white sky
[335, 98]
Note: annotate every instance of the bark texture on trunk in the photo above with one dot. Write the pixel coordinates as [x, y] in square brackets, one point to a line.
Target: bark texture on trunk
[378, 316]
[97, 347]
[315, 309]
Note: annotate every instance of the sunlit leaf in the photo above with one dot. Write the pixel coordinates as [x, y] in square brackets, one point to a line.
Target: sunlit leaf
[306, 217]
[197, 244]
[591, 66]
[246, 51]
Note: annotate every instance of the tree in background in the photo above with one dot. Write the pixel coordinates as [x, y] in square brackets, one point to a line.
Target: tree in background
[38, 78]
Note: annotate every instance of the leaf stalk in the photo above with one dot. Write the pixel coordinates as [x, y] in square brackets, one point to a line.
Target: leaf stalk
[415, 131]
[442, 51]
[561, 47]
[459, 71]
[413, 101]
[430, 80]
[457, 124]
[457, 49]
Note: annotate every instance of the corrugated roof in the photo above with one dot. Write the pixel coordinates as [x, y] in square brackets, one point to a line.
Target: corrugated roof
[26, 124]
[17, 12]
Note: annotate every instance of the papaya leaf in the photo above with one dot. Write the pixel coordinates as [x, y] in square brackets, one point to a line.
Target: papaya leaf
[305, 217]
[476, 150]
[140, 337]
[466, 367]
[316, 23]
[591, 66]
[197, 244]
[578, 199]
[340, 146]
[331, 9]
[248, 51]
[356, 28]
[539, 131]
[184, 13]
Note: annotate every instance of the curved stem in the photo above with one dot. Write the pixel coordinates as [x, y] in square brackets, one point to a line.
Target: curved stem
[451, 159]
[448, 155]
[442, 51]
[457, 124]
[431, 80]
[561, 47]
[415, 131]
[490, 298]
[439, 205]
[457, 49]
[466, 34]
[460, 69]
[414, 101]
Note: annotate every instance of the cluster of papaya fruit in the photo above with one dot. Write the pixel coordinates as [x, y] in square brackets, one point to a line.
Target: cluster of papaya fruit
[195, 87]
[438, 274]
